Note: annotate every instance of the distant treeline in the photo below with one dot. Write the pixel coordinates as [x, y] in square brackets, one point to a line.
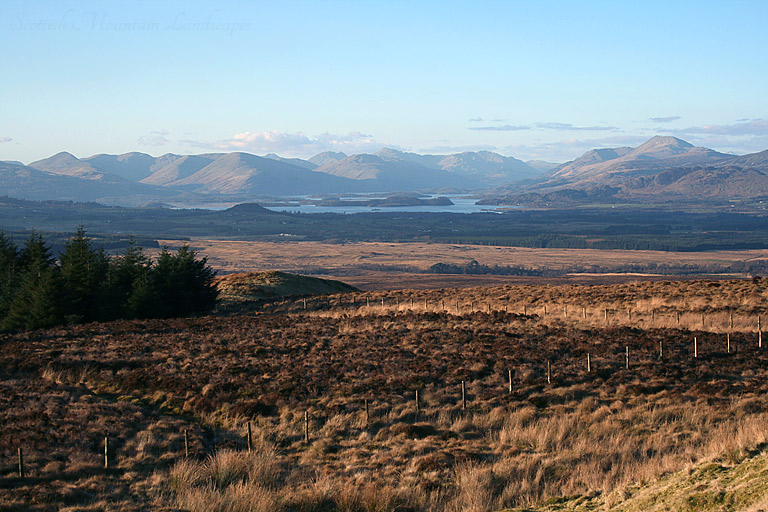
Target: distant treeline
[473, 267]
[86, 284]
[754, 267]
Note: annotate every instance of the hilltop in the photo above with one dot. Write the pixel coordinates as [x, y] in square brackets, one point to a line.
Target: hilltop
[254, 286]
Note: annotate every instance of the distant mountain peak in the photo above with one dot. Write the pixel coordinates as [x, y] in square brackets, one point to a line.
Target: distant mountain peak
[661, 146]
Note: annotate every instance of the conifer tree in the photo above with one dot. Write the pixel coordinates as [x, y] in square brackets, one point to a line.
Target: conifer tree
[127, 271]
[10, 268]
[38, 302]
[184, 284]
[83, 271]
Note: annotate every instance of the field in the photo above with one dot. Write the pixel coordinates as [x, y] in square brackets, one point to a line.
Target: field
[572, 396]
[378, 265]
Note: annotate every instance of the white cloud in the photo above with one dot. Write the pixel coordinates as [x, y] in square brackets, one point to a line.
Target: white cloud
[441, 150]
[294, 144]
[6, 139]
[752, 127]
[155, 138]
[502, 128]
[667, 119]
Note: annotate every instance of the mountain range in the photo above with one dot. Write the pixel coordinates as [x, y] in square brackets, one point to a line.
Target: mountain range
[661, 167]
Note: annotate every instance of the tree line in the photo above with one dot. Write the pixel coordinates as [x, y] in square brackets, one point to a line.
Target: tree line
[86, 284]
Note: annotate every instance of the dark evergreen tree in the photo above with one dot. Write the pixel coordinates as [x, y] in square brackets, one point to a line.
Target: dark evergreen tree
[10, 267]
[83, 271]
[183, 283]
[38, 302]
[127, 271]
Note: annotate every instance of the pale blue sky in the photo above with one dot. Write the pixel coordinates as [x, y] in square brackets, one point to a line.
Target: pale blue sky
[530, 79]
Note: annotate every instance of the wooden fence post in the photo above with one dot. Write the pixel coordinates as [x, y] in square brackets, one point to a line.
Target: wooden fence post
[106, 452]
[186, 443]
[21, 463]
[250, 438]
[605, 313]
[382, 302]
[418, 406]
[728, 343]
[549, 372]
[367, 413]
[510, 381]
[627, 357]
[306, 427]
[589, 363]
[678, 317]
[545, 310]
[463, 396]
[695, 347]
[565, 310]
[661, 350]
[584, 312]
[525, 309]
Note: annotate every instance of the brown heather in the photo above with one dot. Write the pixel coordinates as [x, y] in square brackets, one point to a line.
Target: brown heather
[595, 434]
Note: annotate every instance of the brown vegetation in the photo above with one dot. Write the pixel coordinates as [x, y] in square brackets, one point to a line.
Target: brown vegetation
[144, 382]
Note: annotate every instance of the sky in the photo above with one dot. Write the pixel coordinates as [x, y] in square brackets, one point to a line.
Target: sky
[531, 79]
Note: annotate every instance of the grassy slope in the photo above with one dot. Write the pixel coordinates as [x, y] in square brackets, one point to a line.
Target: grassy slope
[708, 487]
[267, 285]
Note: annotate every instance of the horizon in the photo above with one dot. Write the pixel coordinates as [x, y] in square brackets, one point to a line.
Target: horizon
[535, 81]
[266, 155]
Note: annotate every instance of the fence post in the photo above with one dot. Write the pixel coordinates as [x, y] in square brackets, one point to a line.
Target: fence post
[250, 438]
[463, 396]
[605, 313]
[661, 350]
[584, 312]
[367, 413]
[306, 427]
[510, 381]
[549, 372]
[627, 357]
[728, 343]
[106, 452]
[21, 463]
[186, 443]
[589, 363]
[418, 406]
[565, 310]
[695, 347]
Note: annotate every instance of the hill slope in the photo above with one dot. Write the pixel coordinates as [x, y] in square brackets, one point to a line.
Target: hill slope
[707, 487]
[268, 285]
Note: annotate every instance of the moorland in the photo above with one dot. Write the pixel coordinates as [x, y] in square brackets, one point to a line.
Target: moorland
[634, 396]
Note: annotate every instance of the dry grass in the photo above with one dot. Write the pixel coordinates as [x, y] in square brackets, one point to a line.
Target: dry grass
[595, 434]
[241, 256]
